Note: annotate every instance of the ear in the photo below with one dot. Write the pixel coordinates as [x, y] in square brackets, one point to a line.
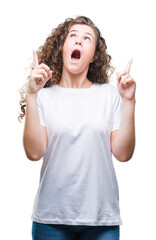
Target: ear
[92, 60]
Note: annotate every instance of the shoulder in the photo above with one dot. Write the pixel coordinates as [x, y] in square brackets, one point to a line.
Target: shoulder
[106, 85]
[43, 95]
[110, 93]
[44, 92]
[108, 88]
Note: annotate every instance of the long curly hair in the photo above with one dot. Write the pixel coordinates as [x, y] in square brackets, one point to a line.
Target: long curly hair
[50, 53]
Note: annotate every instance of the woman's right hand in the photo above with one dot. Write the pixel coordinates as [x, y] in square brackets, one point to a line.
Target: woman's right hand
[39, 76]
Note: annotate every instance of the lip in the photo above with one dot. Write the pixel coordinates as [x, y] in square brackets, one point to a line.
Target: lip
[76, 59]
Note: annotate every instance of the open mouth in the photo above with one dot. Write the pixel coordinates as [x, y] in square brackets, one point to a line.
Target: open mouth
[76, 55]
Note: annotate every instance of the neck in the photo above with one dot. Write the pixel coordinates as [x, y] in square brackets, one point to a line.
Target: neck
[70, 80]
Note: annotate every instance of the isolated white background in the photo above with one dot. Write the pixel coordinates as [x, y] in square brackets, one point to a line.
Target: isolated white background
[129, 30]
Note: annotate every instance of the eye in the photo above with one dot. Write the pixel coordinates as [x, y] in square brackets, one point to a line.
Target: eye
[86, 38]
[72, 35]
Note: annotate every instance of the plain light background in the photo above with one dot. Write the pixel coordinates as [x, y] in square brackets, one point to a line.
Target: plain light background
[129, 30]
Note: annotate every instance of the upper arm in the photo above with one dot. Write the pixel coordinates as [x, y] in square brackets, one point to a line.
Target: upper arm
[44, 130]
[118, 153]
[112, 140]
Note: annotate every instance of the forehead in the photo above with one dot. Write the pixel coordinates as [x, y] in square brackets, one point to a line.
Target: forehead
[82, 29]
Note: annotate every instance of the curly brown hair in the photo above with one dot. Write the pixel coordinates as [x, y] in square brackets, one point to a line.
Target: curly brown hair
[50, 53]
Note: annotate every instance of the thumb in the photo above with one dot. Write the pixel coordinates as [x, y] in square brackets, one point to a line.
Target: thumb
[118, 76]
[50, 74]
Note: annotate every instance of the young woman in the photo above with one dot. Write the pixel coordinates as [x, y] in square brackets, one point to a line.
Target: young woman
[76, 120]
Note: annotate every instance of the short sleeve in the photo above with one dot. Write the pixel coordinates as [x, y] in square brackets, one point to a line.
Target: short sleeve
[116, 110]
[40, 109]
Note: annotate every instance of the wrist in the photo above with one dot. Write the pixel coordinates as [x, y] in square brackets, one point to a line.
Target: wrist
[30, 95]
[129, 101]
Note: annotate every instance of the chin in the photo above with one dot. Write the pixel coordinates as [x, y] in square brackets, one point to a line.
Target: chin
[76, 69]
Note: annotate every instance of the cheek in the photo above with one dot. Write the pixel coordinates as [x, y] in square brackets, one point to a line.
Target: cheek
[65, 51]
[66, 47]
[91, 51]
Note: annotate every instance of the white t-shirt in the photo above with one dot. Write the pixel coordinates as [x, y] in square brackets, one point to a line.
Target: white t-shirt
[78, 184]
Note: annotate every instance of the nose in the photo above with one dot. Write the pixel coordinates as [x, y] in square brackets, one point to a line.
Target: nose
[79, 41]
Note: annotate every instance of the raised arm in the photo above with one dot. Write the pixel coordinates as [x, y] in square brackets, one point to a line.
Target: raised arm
[123, 140]
[35, 136]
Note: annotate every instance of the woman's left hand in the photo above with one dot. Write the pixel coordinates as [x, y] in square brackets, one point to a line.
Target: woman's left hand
[126, 84]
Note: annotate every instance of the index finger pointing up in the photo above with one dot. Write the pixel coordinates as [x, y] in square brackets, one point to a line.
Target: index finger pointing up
[128, 67]
[35, 58]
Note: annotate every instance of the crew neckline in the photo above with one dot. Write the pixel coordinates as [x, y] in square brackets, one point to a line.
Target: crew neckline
[73, 90]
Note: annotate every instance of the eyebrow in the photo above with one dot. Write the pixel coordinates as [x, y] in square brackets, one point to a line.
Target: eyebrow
[85, 33]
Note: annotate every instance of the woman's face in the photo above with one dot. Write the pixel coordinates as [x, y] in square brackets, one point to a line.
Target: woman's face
[79, 48]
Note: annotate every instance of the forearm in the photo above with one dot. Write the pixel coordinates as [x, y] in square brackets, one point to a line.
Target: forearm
[33, 138]
[125, 140]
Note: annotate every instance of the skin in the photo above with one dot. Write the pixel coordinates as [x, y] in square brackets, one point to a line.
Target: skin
[123, 140]
[74, 75]
[81, 37]
[35, 135]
